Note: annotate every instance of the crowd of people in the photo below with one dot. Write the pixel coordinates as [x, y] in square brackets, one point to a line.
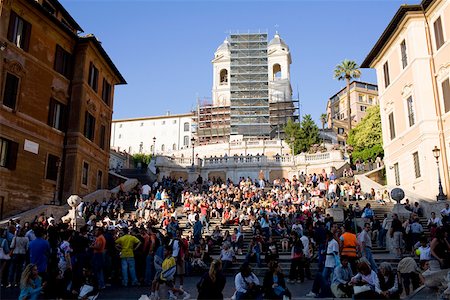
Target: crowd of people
[258, 222]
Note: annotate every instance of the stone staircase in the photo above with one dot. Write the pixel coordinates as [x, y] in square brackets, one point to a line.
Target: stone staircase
[380, 254]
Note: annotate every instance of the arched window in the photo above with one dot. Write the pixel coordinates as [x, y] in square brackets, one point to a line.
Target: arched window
[162, 147]
[276, 71]
[174, 147]
[186, 140]
[224, 76]
[186, 126]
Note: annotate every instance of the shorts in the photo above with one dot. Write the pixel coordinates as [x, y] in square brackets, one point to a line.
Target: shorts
[145, 196]
[181, 267]
[397, 239]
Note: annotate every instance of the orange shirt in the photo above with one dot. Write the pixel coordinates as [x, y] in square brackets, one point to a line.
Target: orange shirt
[100, 244]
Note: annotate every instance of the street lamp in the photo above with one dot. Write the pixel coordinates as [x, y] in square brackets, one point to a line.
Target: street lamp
[293, 149]
[193, 147]
[154, 142]
[436, 153]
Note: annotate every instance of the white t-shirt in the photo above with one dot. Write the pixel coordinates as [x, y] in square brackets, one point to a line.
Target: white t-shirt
[146, 189]
[425, 253]
[332, 248]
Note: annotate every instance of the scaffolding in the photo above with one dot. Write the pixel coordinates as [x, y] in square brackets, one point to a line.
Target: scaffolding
[249, 101]
[280, 113]
[213, 123]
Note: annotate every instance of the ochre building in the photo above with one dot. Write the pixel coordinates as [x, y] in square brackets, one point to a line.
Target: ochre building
[56, 103]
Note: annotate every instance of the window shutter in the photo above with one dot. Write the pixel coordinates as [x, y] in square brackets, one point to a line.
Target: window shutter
[27, 30]
[13, 148]
[51, 112]
[12, 22]
[63, 120]
[446, 94]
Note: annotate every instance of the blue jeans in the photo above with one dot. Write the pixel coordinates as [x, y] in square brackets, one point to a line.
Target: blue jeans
[381, 237]
[128, 265]
[326, 273]
[369, 257]
[256, 255]
[149, 269]
[97, 265]
[240, 295]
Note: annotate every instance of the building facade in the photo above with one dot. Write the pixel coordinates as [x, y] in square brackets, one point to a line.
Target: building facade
[56, 97]
[412, 61]
[152, 135]
[362, 95]
[251, 90]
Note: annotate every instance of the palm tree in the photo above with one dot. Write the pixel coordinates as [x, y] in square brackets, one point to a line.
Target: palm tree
[348, 69]
[323, 119]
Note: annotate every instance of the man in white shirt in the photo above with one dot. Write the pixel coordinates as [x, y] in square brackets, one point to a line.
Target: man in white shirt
[307, 255]
[366, 246]
[332, 191]
[445, 213]
[146, 189]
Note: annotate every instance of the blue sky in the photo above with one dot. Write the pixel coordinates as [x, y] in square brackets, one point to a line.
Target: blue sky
[164, 48]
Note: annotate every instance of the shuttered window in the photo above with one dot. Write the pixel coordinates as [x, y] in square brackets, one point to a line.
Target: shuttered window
[52, 167]
[404, 56]
[8, 153]
[93, 77]
[392, 125]
[397, 174]
[416, 164]
[386, 74]
[11, 90]
[89, 126]
[438, 33]
[19, 31]
[62, 63]
[446, 94]
[57, 115]
[106, 91]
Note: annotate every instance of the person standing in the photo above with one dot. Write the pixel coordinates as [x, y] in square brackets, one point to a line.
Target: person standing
[365, 241]
[98, 258]
[39, 252]
[212, 283]
[127, 244]
[19, 248]
[349, 246]
[397, 234]
[297, 266]
[382, 233]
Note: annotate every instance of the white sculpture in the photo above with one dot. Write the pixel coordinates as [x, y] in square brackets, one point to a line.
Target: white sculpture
[73, 217]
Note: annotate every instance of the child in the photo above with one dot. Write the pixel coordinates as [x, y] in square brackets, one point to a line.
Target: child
[169, 268]
[423, 249]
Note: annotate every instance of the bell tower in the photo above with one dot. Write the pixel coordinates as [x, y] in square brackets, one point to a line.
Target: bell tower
[221, 75]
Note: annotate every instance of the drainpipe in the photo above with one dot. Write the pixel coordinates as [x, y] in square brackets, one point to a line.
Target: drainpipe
[437, 106]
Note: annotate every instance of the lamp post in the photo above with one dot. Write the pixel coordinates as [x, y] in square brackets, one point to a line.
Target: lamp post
[154, 142]
[293, 149]
[193, 147]
[441, 196]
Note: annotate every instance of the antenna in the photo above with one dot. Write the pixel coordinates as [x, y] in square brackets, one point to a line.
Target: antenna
[276, 28]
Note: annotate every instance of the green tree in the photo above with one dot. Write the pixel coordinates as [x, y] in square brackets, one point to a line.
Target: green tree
[323, 120]
[308, 135]
[366, 138]
[142, 158]
[292, 133]
[347, 70]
